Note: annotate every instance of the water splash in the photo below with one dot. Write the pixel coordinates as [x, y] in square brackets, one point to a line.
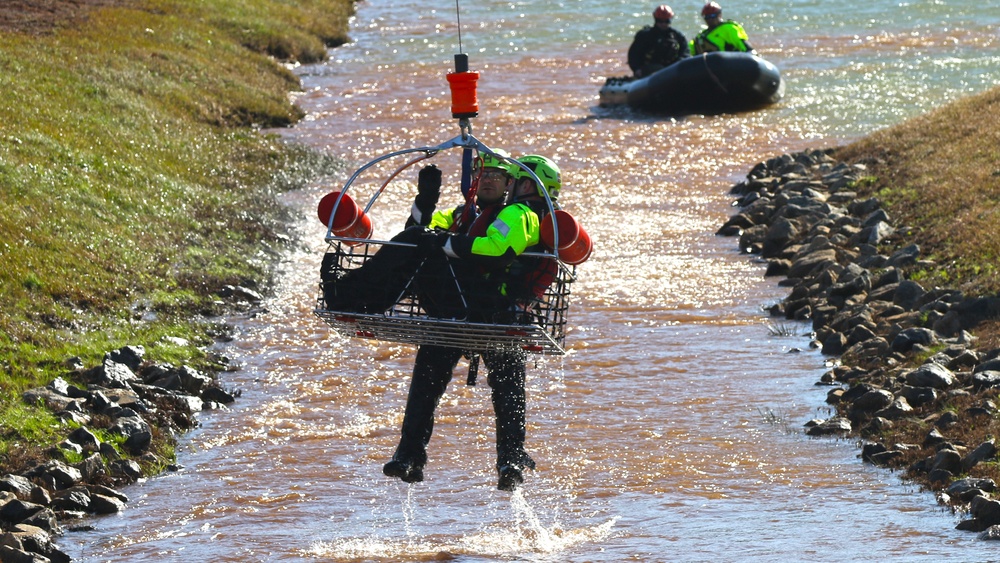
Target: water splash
[519, 531]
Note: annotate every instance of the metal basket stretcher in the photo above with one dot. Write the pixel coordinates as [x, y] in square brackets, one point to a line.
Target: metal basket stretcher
[540, 323]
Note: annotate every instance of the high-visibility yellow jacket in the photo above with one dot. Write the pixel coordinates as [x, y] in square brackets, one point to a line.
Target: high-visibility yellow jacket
[514, 229]
[727, 36]
[444, 218]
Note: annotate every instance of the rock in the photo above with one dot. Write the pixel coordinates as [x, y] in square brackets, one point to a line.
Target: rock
[940, 476]
[189, 404]
[17, 484]
[835, 344]
[240, 293]
[947, 419]
[873, 401]
[52, 399]
[91, 468]
[948, 460]
[86, 439]
[130, 425]
[934, 437]
[10, 554]
[931, 375]
[74, 498]
[18, 510]
[835, 425]
[905, 257]
[985, 511]
[985, 380]
[918, 396]
[37, 544]
[877, 426]
[126, 469]
[129, 356]
[61, 474]
[898, 409]
[193, 381]
[988, 365]
[138, 442]
[987, 451]
[216, 395]
[806, 265]
[910, 337]
[101, 504]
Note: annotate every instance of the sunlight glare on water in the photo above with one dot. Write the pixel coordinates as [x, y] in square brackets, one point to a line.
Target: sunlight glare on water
[672, 431]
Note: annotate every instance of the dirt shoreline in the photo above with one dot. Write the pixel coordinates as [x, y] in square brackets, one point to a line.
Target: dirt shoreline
[36, 17]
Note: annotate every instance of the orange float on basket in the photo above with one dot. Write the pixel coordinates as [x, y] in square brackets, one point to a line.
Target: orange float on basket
[578, 252]
[362, 229]
[569, 229]
[348, 221]
[347, 211]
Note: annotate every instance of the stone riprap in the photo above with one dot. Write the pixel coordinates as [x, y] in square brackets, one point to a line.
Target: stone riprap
[126, 397]
[906, 353]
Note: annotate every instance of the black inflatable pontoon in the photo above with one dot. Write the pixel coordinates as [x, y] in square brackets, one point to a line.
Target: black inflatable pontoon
[710, 84]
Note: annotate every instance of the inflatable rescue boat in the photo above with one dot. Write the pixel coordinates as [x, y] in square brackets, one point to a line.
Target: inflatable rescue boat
[708, 84]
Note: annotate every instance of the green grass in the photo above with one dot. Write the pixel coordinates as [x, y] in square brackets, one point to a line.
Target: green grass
[135, 181]
[940, 174]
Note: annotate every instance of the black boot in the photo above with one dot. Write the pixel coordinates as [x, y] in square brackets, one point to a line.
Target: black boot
[406, 470]
[506, 379]
[432, 371]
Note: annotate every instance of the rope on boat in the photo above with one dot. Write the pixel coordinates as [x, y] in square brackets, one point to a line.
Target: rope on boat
[708, 69]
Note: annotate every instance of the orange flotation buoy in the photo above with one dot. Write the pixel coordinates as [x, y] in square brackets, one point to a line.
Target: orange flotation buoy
[578, 252]
[464, 103]
[575, 245]
[361, 229]
[569, 229]
[349, 220]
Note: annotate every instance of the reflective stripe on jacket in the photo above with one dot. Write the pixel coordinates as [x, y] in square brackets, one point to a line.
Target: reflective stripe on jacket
[515, 228]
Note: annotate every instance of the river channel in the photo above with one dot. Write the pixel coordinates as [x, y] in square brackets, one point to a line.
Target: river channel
[673, 428]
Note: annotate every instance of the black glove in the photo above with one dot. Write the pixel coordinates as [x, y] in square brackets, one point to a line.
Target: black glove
[429, 181]
[431, 242]
[428, 192]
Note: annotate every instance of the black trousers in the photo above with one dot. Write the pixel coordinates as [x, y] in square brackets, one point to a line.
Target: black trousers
[446, 288]
[432, 371]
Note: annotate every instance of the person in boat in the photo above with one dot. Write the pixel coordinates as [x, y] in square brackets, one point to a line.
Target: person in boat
[721, 35]
[657, 46]
[434, 365]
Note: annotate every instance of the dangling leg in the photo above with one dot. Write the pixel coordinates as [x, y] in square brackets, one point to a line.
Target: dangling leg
[506, 379]
[432, 371]
[375, 286]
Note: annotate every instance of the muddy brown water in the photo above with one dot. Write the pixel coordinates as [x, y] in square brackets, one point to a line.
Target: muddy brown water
[672, 430]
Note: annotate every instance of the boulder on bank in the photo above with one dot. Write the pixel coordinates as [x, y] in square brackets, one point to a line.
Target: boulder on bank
[846, 263]
[125, 396]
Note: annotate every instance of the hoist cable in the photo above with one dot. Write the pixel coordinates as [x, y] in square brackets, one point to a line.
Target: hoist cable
[458, 19]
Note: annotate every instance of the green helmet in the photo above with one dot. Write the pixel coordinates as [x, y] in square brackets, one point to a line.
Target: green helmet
[545, 169]
[490, 161]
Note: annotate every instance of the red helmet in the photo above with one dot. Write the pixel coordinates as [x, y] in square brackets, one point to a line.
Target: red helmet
[663, 12]
[711, 8]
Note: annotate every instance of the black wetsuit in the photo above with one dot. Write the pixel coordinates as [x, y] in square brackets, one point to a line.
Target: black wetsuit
[654, 48]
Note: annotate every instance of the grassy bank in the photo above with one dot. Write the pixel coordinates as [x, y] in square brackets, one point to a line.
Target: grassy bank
[135, 183]
[940, 174]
